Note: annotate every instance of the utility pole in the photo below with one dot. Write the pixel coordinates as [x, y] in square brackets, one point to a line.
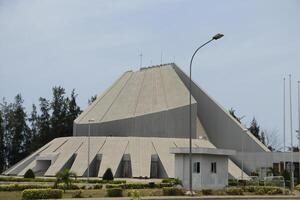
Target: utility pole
[299, 123]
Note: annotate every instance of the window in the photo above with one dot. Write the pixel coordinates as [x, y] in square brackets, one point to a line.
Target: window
[213, 168]
[196, 167]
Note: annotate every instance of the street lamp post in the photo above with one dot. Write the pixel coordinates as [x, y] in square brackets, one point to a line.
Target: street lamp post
[215, 37]
[243, 144]
[88, 156]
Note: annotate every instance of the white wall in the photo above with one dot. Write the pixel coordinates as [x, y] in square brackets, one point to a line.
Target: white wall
[206, 179]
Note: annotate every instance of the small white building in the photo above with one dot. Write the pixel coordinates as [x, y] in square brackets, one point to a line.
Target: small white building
[210, 167]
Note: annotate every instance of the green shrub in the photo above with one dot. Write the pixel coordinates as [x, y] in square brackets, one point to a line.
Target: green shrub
[114, 192]
[162, 185]
[207, 192]
[29, 174]
[77, 194]
[234, 191]
[297, 187]
[172, 191]
[109, 186]
[269, 190]
[64, 186]
[108, 175]
[135, 195]
[30, 194]
[232, 182]
[98, 186]
[174, 181]
[152, 185]
[19, 179]
[20, 187]
[135, 186]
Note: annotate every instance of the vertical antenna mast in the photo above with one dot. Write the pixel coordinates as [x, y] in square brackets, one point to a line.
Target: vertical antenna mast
[291, 129]
[284, 119]
[161, 57]
[141, 59]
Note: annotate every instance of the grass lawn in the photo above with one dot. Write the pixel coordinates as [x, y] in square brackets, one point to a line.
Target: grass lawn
[10, 195]
[85, 193]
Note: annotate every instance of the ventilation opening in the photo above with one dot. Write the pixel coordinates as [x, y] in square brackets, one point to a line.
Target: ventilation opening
[94, 166]
[41, 167]
[69, 163]
[124, 170]
[157, 169]
[154, 166]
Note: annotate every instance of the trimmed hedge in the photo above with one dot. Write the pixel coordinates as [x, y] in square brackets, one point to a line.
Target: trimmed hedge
[20, 187]
[114, 192]
[109, 186]
[207, 192]
[174, 181]
[17, 179]
[98, 186]
[21, 179]
[30, 194]
[172, 191]
[63, 186]
[234, 191]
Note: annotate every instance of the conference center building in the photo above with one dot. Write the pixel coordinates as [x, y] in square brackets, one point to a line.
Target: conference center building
[132, 126]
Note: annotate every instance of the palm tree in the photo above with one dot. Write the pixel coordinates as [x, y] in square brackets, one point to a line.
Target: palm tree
[64, 176]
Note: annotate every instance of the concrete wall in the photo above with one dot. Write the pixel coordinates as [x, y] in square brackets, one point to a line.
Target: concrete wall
[205, 179]
[172, 123]
[253, 161]
[221, 128]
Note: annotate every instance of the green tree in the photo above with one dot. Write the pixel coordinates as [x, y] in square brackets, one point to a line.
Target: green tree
[254, 128]
[34, 132]
[232, 113]
[92, 99]
[43, 123]
[2, 146]
[64, 176]
[73, 112]
[18, 130]
[59, 108]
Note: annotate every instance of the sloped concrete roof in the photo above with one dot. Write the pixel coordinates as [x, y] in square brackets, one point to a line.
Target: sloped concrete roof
[111, 150]
[138, 93]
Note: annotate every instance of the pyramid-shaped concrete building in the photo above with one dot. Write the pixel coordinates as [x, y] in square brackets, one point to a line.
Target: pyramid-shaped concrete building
[133, 125]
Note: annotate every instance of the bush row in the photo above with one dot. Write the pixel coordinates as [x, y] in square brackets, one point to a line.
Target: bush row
[29, 194]
[20, 187]
[172, 191]
[114, 192]
[258, 190]
[17, 179]
[139, 185]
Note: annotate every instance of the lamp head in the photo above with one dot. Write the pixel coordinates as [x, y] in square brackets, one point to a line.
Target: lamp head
[217, 36]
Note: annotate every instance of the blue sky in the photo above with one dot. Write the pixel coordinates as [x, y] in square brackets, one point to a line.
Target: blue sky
[87, 45]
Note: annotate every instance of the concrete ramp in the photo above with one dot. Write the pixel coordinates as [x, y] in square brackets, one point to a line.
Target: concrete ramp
[112, 153]
[80, 163]
[162, 148]
[140, 150]
[65, 153]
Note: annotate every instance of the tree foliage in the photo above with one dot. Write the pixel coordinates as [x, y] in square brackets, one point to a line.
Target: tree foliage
[255, 129]
[22, 133]
[2, 147]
